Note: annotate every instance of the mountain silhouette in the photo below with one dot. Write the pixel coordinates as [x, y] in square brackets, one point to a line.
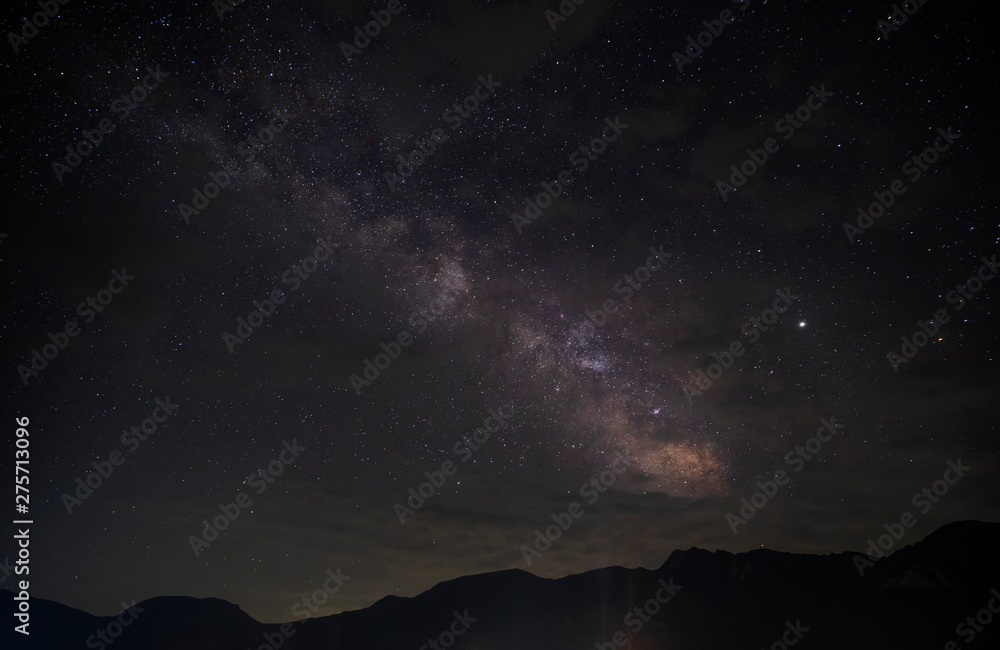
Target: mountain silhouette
[918, 597]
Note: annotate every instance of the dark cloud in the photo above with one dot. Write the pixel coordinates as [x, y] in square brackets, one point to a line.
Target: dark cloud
[505, 313]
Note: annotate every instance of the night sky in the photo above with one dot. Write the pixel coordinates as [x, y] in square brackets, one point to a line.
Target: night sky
[306, 135]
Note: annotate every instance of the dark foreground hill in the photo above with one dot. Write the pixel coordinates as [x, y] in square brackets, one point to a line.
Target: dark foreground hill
[919, 597]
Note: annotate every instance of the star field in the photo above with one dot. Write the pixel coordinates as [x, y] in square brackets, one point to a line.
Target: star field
[511, 328]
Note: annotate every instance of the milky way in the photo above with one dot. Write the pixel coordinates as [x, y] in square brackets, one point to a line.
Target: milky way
[553, 319]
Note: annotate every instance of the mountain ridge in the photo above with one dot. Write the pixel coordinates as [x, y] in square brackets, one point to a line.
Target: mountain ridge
[721, 598]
